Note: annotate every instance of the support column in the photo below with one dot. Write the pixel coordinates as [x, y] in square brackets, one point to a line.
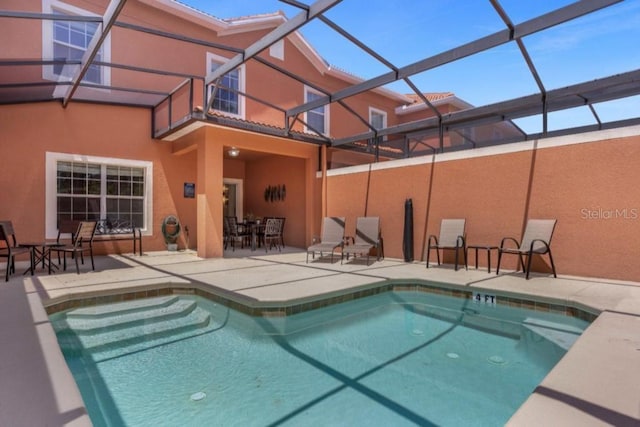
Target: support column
[209, 197]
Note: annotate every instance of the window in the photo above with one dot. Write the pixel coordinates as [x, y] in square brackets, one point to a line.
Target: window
[81, 188]
[69, 40]
[377, 119]
[227, 98]
[317, 119]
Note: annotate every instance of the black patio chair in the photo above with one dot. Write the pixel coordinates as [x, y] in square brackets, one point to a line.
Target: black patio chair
[83, 243]
[11, 248]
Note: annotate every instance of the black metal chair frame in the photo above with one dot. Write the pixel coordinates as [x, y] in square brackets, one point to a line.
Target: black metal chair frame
[85, 233]
[461, 243]
[272, 235]
[234, 233]
[528, 253]
[12, 248]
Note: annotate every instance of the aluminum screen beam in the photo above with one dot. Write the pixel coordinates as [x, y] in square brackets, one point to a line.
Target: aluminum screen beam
[146, 70]
[177, 37]
[49, 16]
[526, 28]
[606, 89]
[320, 6]
[523, 50]
[109, 18]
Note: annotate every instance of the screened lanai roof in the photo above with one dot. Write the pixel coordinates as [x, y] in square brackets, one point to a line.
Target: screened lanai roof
[514, 70]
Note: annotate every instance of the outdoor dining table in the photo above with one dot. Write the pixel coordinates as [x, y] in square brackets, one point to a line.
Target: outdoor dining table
[255, 227]
[40, 252]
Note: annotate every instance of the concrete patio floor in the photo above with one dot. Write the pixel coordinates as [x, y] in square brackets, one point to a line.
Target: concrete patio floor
[596, 383]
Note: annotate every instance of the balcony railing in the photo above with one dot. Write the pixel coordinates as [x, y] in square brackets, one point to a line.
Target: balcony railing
[177, 108]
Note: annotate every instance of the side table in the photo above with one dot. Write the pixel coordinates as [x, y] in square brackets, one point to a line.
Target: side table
[487, 248]
[41, 252]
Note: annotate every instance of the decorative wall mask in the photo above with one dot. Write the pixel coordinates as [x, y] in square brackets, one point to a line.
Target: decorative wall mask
[275, 193]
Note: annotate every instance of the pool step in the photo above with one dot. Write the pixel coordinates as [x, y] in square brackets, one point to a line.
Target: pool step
[86, 325]
[130, 327]
[121, 308]
[561, 335]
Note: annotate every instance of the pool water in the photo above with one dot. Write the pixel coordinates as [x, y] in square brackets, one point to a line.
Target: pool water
[398, 358]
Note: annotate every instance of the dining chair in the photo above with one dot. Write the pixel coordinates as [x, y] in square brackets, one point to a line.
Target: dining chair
[11, 248]
[281, 221]
[236, 232]
[271, 236]
[67, 228]
[84, 235]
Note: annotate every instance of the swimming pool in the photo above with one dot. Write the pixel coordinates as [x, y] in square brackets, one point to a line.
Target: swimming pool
[397, 358]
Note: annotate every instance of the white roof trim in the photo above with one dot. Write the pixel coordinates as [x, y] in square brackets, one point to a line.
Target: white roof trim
[188, 13]
[263, 22]
[307, 50]
[419, 106]
[252, 23]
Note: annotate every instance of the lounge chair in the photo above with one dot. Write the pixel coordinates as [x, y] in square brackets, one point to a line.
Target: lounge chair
[536, 240]
[83, 243]
[332, 237]
[452, 237]
[367, 237]
[11, 248]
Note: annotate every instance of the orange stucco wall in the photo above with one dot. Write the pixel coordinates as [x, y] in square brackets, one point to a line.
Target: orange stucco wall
[277, 171]
[30, 130]
[280, 162]
[589, 188]
[124, 133]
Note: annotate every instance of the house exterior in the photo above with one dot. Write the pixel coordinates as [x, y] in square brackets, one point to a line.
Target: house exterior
[95, 160]
[107, 154]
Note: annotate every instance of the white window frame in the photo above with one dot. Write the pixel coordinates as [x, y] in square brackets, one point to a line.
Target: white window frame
[325, 107]
[382, 113]
[51, 192]
[49, 7]
[242, 77]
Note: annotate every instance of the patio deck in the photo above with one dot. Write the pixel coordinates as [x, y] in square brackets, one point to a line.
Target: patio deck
[596, 383]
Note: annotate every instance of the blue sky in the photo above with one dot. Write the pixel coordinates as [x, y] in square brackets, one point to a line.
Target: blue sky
[405, 31]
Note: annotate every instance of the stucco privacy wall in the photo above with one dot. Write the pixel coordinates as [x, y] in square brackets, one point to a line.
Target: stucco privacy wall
[588, 182]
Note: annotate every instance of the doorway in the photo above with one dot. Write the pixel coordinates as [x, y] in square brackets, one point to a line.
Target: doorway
[232, 198]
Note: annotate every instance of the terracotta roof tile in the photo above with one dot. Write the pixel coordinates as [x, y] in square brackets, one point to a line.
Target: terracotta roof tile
[215, 115]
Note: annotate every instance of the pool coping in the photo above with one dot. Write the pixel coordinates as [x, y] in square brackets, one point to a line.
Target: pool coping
[291, 307]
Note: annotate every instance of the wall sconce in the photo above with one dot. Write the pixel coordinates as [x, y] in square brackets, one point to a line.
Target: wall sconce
[233, 152]
[225, 195]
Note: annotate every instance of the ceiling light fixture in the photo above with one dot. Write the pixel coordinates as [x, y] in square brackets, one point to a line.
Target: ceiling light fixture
[233, 152]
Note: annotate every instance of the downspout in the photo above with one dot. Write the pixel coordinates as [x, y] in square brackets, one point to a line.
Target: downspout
[323, 159]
